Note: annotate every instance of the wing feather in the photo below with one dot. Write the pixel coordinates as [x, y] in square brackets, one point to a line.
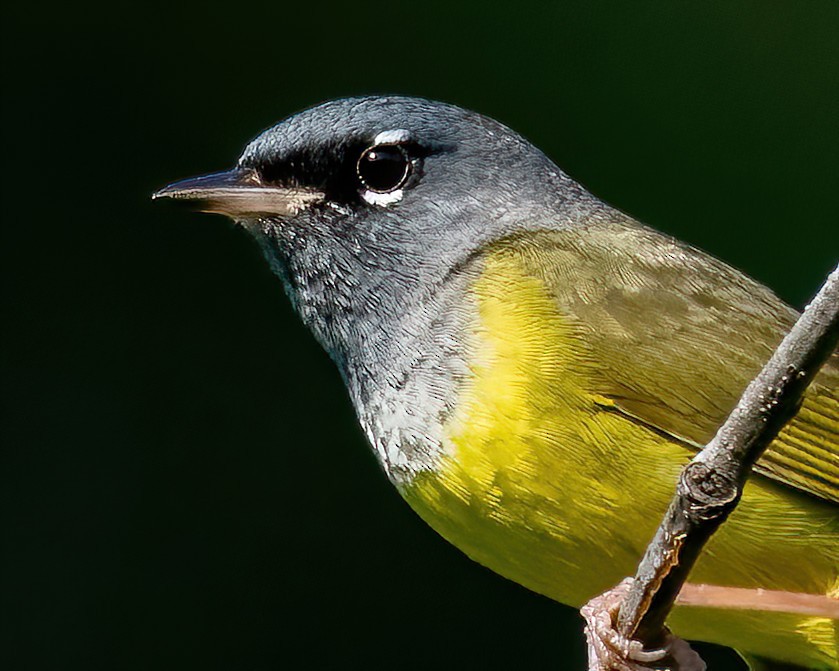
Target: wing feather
[677, 335]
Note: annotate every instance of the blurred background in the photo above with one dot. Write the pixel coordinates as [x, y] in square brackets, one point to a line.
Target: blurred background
[182, 482]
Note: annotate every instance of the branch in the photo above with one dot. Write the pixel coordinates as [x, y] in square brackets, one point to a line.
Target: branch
[711, 485]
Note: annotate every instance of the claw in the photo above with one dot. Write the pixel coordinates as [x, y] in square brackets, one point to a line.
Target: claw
[609, 650]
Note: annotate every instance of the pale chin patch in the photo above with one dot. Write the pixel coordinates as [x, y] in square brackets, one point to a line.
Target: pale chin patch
[382, 199]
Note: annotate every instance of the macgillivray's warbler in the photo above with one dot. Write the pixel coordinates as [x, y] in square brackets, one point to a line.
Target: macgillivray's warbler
[533, 367]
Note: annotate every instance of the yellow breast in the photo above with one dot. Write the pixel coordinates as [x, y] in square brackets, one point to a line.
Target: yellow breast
[545, 484]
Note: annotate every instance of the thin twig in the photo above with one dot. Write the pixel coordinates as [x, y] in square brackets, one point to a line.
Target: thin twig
[712, 483]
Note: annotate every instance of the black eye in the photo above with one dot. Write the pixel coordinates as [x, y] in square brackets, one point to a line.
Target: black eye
[384, 168]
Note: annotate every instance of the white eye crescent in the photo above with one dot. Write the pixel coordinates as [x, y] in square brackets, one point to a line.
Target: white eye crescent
[382, 199]
[396, 136]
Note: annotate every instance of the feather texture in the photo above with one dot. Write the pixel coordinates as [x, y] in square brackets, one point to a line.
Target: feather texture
[678, 335]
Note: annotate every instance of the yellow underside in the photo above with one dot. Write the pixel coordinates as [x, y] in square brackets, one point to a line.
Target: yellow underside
[547, 486]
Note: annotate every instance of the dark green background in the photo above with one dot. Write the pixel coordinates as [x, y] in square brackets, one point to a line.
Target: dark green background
[183, 483]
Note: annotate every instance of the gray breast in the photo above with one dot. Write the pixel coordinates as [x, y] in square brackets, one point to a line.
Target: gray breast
[405, 380]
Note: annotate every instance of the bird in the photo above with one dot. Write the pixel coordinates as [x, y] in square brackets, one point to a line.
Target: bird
[533, 367]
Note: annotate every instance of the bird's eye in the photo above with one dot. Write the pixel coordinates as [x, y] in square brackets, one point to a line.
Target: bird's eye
[384, 168]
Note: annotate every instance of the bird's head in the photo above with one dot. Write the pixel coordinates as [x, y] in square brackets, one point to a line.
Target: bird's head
[364, 205]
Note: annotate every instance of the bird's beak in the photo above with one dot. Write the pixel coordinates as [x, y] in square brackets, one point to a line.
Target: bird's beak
[239, 193]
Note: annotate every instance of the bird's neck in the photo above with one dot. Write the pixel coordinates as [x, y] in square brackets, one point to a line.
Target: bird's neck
[404, 378]
[395, 338]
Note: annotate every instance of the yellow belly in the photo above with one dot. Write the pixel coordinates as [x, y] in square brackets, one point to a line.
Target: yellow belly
[545, 484]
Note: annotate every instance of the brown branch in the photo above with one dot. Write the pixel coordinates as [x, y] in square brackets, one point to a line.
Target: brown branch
[712, 483]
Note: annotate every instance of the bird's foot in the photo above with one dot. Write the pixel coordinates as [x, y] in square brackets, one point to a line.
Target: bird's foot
[609, 650]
